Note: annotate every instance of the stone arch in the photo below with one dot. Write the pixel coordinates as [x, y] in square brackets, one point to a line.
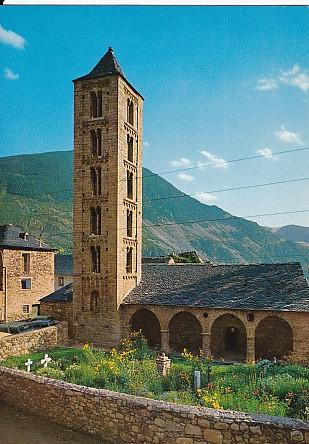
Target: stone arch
[185, 331]
[273, 338]
[146, 321]
[228, 338]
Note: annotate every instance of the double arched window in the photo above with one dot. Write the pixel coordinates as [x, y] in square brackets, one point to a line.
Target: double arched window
[95, 104]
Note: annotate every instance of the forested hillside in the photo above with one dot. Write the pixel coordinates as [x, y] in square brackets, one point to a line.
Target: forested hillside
[36, 193]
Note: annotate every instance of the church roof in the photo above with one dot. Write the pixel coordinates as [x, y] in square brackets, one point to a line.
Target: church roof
[280, 287]
[63, 294]
[108, 65]
[64, 264]
[15, 238]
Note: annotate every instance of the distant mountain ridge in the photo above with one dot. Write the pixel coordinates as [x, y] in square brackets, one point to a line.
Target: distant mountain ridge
[294, 233]
[36, 193]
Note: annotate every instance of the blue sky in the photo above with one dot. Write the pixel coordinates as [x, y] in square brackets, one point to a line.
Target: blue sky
[219, 83]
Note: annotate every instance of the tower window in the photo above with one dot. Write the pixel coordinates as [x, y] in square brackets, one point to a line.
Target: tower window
[129, 223]
[129, 260]
[99, 101]
[130, 148]
[94, 143]
[26, 262]
[95, 220]
[129, 185]
[130, 112]
[96, 185]
[96, 107]
[99, 142]
[94, 301]
[96, 259]
[93, 104]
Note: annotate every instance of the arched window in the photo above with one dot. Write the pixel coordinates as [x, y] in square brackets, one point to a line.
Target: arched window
[130, 112]
[129, 260]
[99, 142]
[96, 181]
[96, 108]
[129, 185]
[130, 148]
[99, 101]
[93, 104]
[96, 259]
[129, 223]
[95, 220]
[94, 143]
[94, 301]
[99, 178]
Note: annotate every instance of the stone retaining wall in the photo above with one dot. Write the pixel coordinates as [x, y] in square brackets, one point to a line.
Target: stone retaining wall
[43, 339]
[126, 419]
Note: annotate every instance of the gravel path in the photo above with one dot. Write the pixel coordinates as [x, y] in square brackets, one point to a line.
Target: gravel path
[19, 428]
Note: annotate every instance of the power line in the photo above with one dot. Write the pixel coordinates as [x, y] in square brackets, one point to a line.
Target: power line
[240, 159]
[220, 190]
[231, 217]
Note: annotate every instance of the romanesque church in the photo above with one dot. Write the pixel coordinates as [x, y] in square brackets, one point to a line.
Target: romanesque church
[234, 312]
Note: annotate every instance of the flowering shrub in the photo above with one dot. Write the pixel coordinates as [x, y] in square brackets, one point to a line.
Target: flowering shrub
[283, 389]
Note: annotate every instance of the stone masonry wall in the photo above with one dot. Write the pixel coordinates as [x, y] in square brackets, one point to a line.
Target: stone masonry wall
[126, 419]
[28, 342]
[40, 273]
[62, 311]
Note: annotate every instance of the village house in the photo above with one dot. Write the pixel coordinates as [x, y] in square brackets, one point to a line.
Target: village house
[63, 270]
[234, 312]
[26, 273]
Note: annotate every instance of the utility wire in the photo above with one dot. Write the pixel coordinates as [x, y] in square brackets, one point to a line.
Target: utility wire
[220, 190]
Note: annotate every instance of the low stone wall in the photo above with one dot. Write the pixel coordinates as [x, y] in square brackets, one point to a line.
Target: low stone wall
[28, 342]
[126, 419]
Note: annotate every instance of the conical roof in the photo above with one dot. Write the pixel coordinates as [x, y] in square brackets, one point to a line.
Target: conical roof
[107, 65]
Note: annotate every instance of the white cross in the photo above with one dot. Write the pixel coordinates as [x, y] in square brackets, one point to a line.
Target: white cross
[46, 360]
[28, 365]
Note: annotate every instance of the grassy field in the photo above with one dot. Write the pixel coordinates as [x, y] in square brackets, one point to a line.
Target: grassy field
[270, 388]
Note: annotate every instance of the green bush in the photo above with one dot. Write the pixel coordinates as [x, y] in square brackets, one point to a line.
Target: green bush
[50, 372]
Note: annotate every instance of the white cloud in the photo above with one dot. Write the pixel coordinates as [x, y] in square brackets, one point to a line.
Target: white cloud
[182, 162]
[185, 177]
[217, 161]
[146, 144]
[267, 152]
[11, 38]
[10, 75]
[267, 85]
[205, 197]
[288, 136]
[296, 76]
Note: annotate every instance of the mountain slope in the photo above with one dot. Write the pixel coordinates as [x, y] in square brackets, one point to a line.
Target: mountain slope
[26, 180]
[294, 233]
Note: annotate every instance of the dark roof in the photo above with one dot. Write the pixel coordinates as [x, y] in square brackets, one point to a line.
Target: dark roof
[63, 294]
[14, 237]
[248, 287]
[107, 66]
[64, 264]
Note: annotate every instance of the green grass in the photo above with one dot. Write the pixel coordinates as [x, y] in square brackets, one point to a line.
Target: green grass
[283, 390]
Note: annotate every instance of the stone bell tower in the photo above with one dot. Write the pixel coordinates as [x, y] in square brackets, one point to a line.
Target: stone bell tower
[107, 215]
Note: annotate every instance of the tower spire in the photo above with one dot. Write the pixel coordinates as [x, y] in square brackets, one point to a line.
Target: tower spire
[107, 65]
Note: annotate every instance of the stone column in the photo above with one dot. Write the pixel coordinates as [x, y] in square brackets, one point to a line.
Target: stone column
[206, 344]
[165, 346]
[250, 348]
